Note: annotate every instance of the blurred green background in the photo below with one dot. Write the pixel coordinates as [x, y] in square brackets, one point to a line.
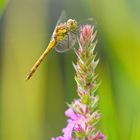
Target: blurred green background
[34, 110]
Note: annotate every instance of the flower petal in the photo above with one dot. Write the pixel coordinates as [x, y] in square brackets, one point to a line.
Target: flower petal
[70, 113]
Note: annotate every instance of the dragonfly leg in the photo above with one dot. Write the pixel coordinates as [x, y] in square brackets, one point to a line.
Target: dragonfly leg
[74, 32]
[61, 44]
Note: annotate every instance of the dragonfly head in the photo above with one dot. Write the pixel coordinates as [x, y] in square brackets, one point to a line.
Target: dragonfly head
[71, 24]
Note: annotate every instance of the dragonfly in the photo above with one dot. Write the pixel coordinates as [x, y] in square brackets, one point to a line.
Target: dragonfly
[63, 39]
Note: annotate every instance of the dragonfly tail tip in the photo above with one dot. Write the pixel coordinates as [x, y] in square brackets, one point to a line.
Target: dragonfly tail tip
[28, 76]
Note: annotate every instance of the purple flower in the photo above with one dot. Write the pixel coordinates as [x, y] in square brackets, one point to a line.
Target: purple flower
[68, 130]
[99, 136]
[69, 113]
[79, 107]
[77, 127]
[76, 119]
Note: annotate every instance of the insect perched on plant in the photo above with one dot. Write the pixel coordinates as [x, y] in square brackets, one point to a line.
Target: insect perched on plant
[63, 39]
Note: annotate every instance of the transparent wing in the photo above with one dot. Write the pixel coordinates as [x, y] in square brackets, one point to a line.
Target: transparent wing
[67, 43]
[62, 18]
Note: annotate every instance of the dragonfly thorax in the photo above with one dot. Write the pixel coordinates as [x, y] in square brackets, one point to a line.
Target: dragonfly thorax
[71, 24]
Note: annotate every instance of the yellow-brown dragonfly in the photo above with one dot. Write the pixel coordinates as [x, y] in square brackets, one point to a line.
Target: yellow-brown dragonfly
[63, 38]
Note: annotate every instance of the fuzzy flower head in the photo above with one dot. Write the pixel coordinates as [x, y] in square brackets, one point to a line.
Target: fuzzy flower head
[86, 36]
[86, 64]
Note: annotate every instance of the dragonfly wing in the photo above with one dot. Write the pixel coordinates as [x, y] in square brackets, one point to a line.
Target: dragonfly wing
[67, 43]
[62, 46]
[62, 18]
[72, 39]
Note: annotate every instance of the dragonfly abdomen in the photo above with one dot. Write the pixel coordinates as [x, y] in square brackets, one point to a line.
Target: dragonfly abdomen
[41, 58]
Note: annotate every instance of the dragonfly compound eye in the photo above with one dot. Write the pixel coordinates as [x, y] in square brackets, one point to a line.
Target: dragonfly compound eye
[72, 24]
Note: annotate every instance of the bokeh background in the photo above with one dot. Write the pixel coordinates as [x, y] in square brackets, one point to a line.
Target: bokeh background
[34, 110]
